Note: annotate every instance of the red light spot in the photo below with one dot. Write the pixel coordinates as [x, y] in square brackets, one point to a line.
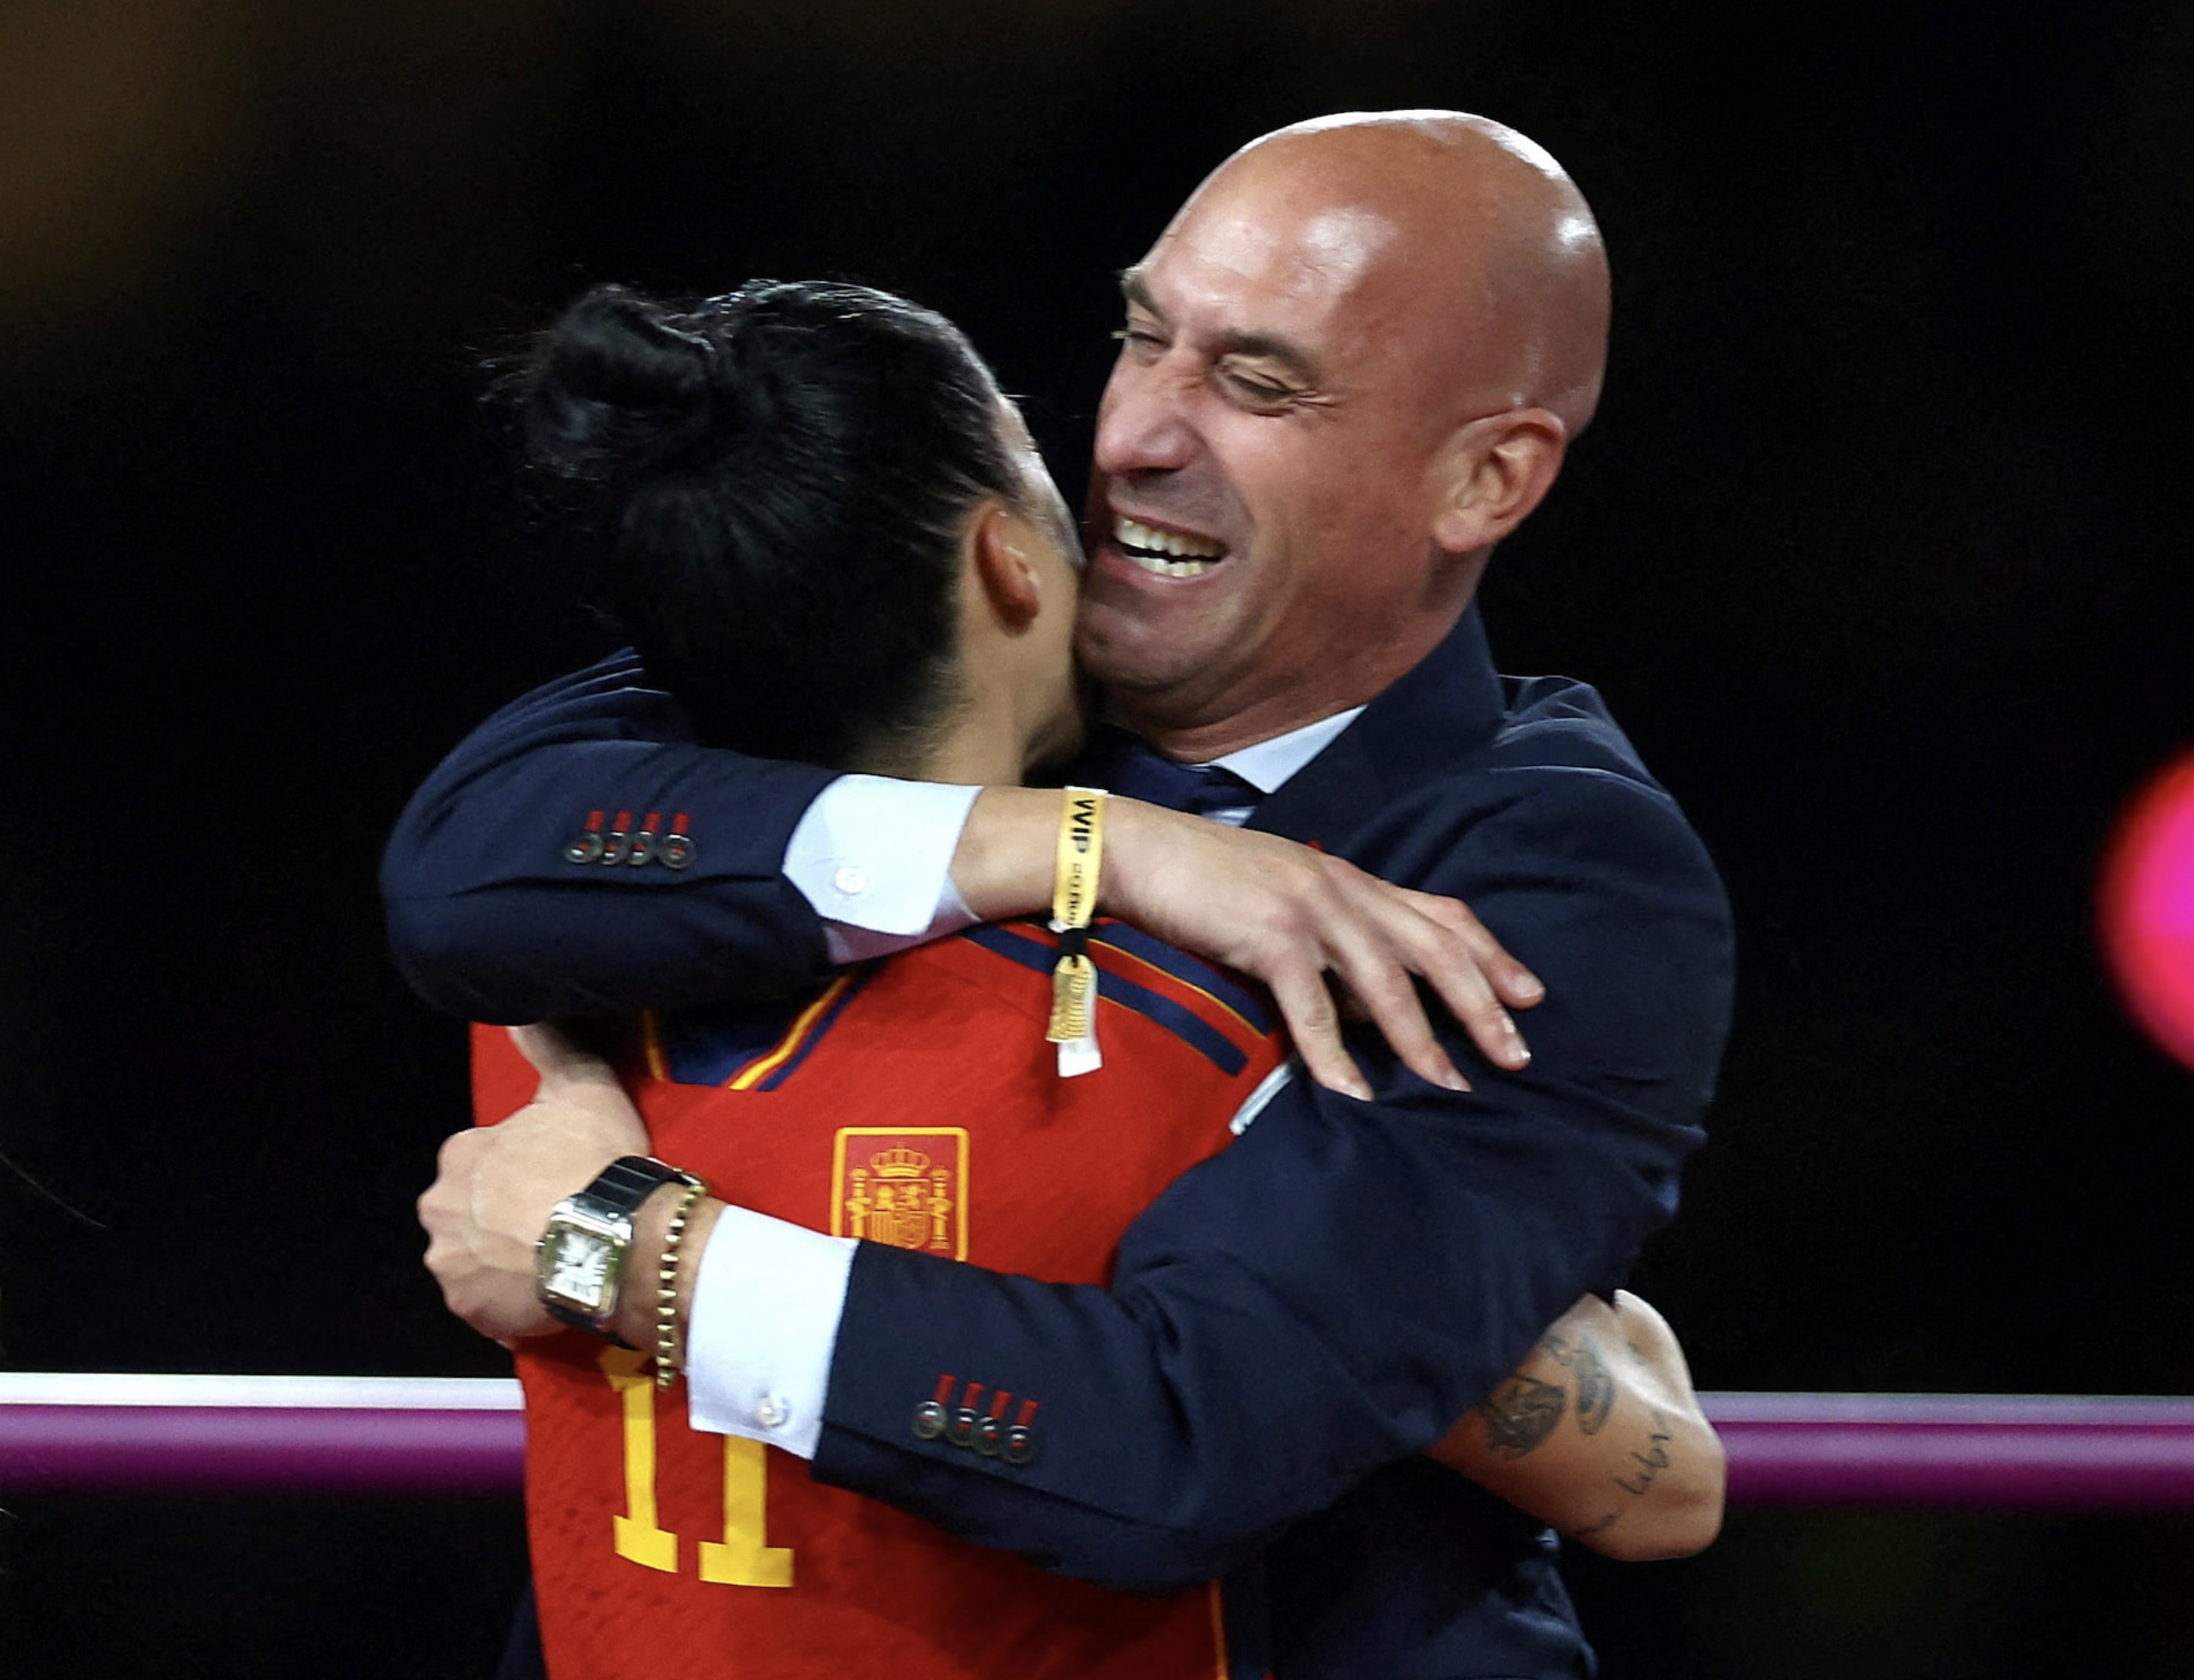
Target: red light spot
[2145, 909]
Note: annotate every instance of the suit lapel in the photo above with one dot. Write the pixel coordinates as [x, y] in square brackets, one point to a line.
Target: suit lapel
[1443, 712]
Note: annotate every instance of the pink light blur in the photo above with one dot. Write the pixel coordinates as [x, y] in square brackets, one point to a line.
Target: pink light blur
[2145, 909]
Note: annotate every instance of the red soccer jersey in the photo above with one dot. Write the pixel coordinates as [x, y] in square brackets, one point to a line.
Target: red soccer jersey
[915, 1102]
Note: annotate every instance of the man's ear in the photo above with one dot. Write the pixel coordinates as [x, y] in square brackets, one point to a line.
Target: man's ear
[1492, 474]
[1002, 568]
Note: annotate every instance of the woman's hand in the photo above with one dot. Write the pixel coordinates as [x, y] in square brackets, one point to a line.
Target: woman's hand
[1327, 940]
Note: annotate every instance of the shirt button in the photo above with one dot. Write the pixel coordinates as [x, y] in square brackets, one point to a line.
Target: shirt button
[851, 882]
[771, 1412]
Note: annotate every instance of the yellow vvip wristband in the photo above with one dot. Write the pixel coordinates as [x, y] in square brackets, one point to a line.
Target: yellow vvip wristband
[1074, 907]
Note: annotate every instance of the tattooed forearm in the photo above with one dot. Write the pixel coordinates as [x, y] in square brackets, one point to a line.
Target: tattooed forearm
[1521, 1414]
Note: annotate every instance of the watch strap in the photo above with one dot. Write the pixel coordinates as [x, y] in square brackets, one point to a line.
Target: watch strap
[610, 1201]
[626, 1181]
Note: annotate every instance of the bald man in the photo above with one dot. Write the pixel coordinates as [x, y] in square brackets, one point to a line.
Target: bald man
[1350, 366]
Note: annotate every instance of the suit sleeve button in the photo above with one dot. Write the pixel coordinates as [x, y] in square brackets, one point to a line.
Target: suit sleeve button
[929, 1421]
[1021, 1444]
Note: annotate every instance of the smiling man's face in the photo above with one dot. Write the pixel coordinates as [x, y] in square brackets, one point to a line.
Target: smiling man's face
[1350, 369]
[1263, 489]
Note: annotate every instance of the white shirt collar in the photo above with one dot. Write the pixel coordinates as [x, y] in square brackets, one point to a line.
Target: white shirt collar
[1268, 764]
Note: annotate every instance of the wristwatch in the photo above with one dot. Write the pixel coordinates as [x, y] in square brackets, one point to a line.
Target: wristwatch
[580, 1260]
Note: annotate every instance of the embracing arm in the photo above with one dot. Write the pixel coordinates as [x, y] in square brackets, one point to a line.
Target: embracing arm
[1331, 1293]
[1601, 1405]
[1598, 1432]
[1324, 1297]
[581, 852]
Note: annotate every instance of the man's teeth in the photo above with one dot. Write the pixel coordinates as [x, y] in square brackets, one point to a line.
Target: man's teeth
[1150, 549]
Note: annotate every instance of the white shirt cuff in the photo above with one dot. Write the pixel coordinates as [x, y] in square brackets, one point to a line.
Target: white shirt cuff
[766, 1304]
[874, 856]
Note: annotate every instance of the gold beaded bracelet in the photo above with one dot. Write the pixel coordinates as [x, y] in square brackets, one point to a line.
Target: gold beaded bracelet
[666, 1289]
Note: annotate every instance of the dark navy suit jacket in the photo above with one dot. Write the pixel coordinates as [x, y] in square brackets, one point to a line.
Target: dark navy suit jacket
[1291, 1321]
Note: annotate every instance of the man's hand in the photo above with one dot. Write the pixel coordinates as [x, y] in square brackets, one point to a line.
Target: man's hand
[497, 1184]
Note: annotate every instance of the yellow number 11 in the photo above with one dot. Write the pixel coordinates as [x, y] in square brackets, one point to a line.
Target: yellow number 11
[743, 1557]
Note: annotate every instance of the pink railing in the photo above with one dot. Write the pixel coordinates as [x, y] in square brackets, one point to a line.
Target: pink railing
[443, 1435]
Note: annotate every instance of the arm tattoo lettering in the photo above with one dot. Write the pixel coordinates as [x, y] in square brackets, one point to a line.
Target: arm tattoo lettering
[1521, 1414]
[1651, 1462]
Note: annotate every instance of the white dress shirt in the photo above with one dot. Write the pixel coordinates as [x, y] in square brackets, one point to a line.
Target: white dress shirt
[874, 856]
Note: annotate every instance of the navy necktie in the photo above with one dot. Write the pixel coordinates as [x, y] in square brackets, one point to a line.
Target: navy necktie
[1127, 765]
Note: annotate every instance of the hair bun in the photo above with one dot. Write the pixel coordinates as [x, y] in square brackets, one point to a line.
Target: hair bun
[614, 346]
[620, 383]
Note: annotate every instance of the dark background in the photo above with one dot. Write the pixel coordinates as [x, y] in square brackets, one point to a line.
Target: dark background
[1878, 547]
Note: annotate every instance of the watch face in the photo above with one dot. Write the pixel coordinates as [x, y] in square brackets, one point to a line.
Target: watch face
[577, 1270]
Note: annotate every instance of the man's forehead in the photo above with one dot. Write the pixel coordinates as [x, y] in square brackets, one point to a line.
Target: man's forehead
[1328, 251]
[1312, 254]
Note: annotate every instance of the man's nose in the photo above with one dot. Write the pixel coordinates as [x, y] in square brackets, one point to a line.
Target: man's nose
[1143, 423]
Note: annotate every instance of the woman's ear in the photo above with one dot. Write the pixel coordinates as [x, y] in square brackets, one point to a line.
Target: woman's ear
[1003, 571]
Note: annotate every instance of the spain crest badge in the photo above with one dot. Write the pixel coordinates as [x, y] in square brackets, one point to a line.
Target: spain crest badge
[907, 1188]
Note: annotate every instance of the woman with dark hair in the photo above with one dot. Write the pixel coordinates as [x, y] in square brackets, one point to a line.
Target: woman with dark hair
[787, 470]
[831, 539]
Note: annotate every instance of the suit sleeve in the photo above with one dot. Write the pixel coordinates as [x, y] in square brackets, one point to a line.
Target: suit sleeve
[498, 912]
[1330, 1293]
